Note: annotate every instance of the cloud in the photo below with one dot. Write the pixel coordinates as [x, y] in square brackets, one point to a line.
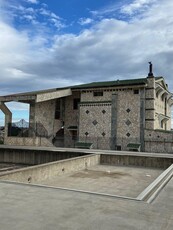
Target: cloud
[51, 17]
[85, 21]
[137, 6]
[108, 10]
[19, 106]
[39, 55]
[35, 18]
[109, 49]
[32, 1]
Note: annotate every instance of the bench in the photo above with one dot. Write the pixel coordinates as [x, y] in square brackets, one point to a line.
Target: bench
[83, 145]
[134, 147]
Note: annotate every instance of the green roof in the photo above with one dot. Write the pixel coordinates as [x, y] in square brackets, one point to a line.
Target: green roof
[130, 82]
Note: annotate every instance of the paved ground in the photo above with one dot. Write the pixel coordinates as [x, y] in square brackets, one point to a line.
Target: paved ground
[26, 207]
[114, 180]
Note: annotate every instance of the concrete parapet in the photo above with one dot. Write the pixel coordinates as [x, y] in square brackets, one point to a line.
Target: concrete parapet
[154, 188]
[139, 161]
[50, 170]
[27, 141]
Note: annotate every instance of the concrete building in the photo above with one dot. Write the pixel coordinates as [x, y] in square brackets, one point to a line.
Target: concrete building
[108, 115]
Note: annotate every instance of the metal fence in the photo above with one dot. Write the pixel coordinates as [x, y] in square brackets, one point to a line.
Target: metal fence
[120, 144]
[156, 145]
[34, 130]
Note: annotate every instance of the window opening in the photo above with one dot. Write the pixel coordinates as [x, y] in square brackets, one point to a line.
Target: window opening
[98, 93]
[136, 91]
[76, 101]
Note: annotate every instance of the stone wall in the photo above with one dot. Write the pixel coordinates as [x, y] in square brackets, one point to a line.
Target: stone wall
[28, 141]
[150, 104]
[162, 107]
[109, 117]
[95, 123]
[96, 117]
[158, 141]
[71, 119]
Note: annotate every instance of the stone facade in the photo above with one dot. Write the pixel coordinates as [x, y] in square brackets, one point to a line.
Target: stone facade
[97, 115]
[158, 141]
[109, 115]
[95, 123]
[71, 119]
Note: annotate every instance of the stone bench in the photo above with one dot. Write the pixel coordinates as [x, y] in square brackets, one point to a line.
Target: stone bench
[83, 145]
[134, 147]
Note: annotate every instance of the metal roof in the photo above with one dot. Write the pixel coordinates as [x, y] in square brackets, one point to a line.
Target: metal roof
[117, 83]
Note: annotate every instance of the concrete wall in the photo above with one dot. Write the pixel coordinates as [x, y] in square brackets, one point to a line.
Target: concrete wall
[28, 141]
[46, 171]
[39, 173]
[139, 161]
[45, 114]
[34, 157]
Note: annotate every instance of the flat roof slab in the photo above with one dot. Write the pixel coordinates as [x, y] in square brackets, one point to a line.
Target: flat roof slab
[39, 208]
[113, 180]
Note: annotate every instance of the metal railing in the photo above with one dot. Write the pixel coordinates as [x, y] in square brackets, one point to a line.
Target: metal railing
[37, 129]
[34, 130]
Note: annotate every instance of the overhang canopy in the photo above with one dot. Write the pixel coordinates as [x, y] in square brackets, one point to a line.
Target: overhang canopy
[37, 96]
[53, 95]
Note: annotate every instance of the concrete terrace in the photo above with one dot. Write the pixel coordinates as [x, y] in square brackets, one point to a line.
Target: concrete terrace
[113, 180]
[38, 207]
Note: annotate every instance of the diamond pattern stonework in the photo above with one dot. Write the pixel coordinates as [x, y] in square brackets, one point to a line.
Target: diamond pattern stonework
[95, 122]
[128, 122]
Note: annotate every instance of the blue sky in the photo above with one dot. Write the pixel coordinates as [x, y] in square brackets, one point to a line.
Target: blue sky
[53, 43]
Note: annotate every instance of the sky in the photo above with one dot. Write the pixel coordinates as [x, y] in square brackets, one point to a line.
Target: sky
[54, 43]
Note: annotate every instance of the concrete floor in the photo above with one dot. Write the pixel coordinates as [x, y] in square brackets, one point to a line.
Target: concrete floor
[113, 180]
[26, 207]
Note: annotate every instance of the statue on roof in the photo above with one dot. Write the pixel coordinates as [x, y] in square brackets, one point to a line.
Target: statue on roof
[150, 74]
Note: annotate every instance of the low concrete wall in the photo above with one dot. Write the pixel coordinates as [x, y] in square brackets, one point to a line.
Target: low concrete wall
[139, 161]
[33, 156]
[42, 172]
[27, 141]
